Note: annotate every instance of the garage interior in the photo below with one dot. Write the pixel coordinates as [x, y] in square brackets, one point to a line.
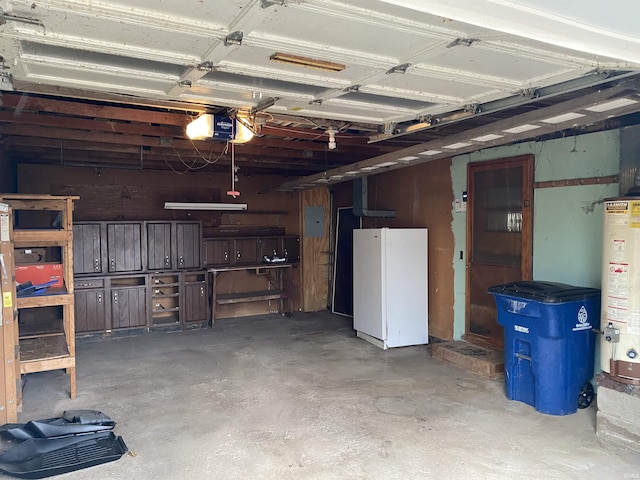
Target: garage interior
[204, 302]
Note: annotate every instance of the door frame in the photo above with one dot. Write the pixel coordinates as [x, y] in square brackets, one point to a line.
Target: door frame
[526, 263]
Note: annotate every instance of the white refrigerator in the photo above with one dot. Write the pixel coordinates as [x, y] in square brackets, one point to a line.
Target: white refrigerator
[390, 301]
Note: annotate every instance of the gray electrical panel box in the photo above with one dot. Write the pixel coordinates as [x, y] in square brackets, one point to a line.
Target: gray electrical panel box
[314, 222]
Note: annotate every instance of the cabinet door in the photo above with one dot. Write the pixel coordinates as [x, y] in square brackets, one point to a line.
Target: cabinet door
[188, 242]
[159, 246]
[291, 248]
[217, 252]
[128, 307]
[269, 246]
[90, 311]
[124, 247]
[87, 248]
[246, 250]
[195, 302]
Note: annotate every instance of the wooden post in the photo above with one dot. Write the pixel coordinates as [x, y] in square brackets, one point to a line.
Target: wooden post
[9, 351]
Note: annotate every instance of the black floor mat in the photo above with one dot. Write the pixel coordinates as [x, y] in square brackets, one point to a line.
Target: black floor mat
[44, 457]
[73, 422]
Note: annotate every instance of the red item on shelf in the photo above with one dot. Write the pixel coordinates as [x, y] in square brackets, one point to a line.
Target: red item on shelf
[40, 273]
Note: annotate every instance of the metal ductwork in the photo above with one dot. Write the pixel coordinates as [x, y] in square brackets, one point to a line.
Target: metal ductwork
[361, 201]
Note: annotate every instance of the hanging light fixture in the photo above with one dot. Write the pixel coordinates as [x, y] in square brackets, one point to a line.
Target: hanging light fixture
[221, 127]
[201, 128]
[242, 133]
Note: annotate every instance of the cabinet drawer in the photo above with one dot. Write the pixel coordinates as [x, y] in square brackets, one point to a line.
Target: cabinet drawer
[88, 283]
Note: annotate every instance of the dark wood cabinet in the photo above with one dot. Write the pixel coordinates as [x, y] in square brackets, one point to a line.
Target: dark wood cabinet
[291, 248]
[246, 251]
[136, 247]
[90, 310]
[195, 298]
[87, 248]
[217, 252]
[188, 245]
[124, 247]
[128, 307]
[165, 299]
[159, 246]
[250, 250]
[269, 246]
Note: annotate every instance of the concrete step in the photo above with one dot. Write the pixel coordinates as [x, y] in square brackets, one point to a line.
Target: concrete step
[480, 360]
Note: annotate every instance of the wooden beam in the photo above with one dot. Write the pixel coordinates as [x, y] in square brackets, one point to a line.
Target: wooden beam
[573, 182]
[50, 120]
[93, 158]
[280, 148]
[131, 144]
[28, 103]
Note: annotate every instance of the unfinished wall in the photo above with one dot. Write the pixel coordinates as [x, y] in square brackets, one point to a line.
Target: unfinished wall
[7, 177]
[421, 197]
[315, 255]
[567, 227]
[110, 194]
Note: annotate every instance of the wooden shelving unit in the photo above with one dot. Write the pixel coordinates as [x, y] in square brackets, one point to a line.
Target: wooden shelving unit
[278, 279]
[48, 351]
[10, 391]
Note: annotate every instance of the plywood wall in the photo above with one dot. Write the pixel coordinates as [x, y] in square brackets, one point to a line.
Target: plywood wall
[111, 194]
[6, 174]
[315, 253]
[422, 198]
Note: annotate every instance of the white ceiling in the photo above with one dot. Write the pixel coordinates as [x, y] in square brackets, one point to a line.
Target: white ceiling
[461, 54]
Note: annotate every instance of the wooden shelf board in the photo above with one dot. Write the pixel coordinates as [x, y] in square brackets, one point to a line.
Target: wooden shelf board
[50, 300]
[41, 238]
[229, 298]
[44, 353]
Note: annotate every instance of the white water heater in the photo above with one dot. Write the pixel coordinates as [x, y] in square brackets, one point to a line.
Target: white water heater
[620, 320]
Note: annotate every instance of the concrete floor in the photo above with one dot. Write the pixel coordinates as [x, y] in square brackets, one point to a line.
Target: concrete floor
[277, 398]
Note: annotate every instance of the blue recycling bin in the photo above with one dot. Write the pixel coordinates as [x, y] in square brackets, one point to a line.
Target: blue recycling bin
[549, 343]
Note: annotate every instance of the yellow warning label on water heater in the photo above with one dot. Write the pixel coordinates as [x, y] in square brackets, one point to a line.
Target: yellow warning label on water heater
[616, 212]
[7, 300]
[634, 220]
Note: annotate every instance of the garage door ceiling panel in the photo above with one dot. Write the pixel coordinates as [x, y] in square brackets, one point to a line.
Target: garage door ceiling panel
[86, 78]
[50, 54]
[409, 65]
[113, 36]
[472, 61]
[254, 61]
[343, 39]
[438, 85]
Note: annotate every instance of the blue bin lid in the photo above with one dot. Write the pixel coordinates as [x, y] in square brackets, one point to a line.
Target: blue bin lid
[547, 292]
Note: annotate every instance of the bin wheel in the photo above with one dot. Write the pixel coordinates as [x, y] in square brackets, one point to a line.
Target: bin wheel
[585, 397]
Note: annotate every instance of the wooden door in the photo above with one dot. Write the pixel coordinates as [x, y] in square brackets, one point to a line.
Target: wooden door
[128, 307]
[269, 246]
[195, 301]
[499, 239]
[87, 248]
[188, 245]
[90, 311]
[159, 246]
[246, 250]
[217, 252]
[291, 248]
[124, 247]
